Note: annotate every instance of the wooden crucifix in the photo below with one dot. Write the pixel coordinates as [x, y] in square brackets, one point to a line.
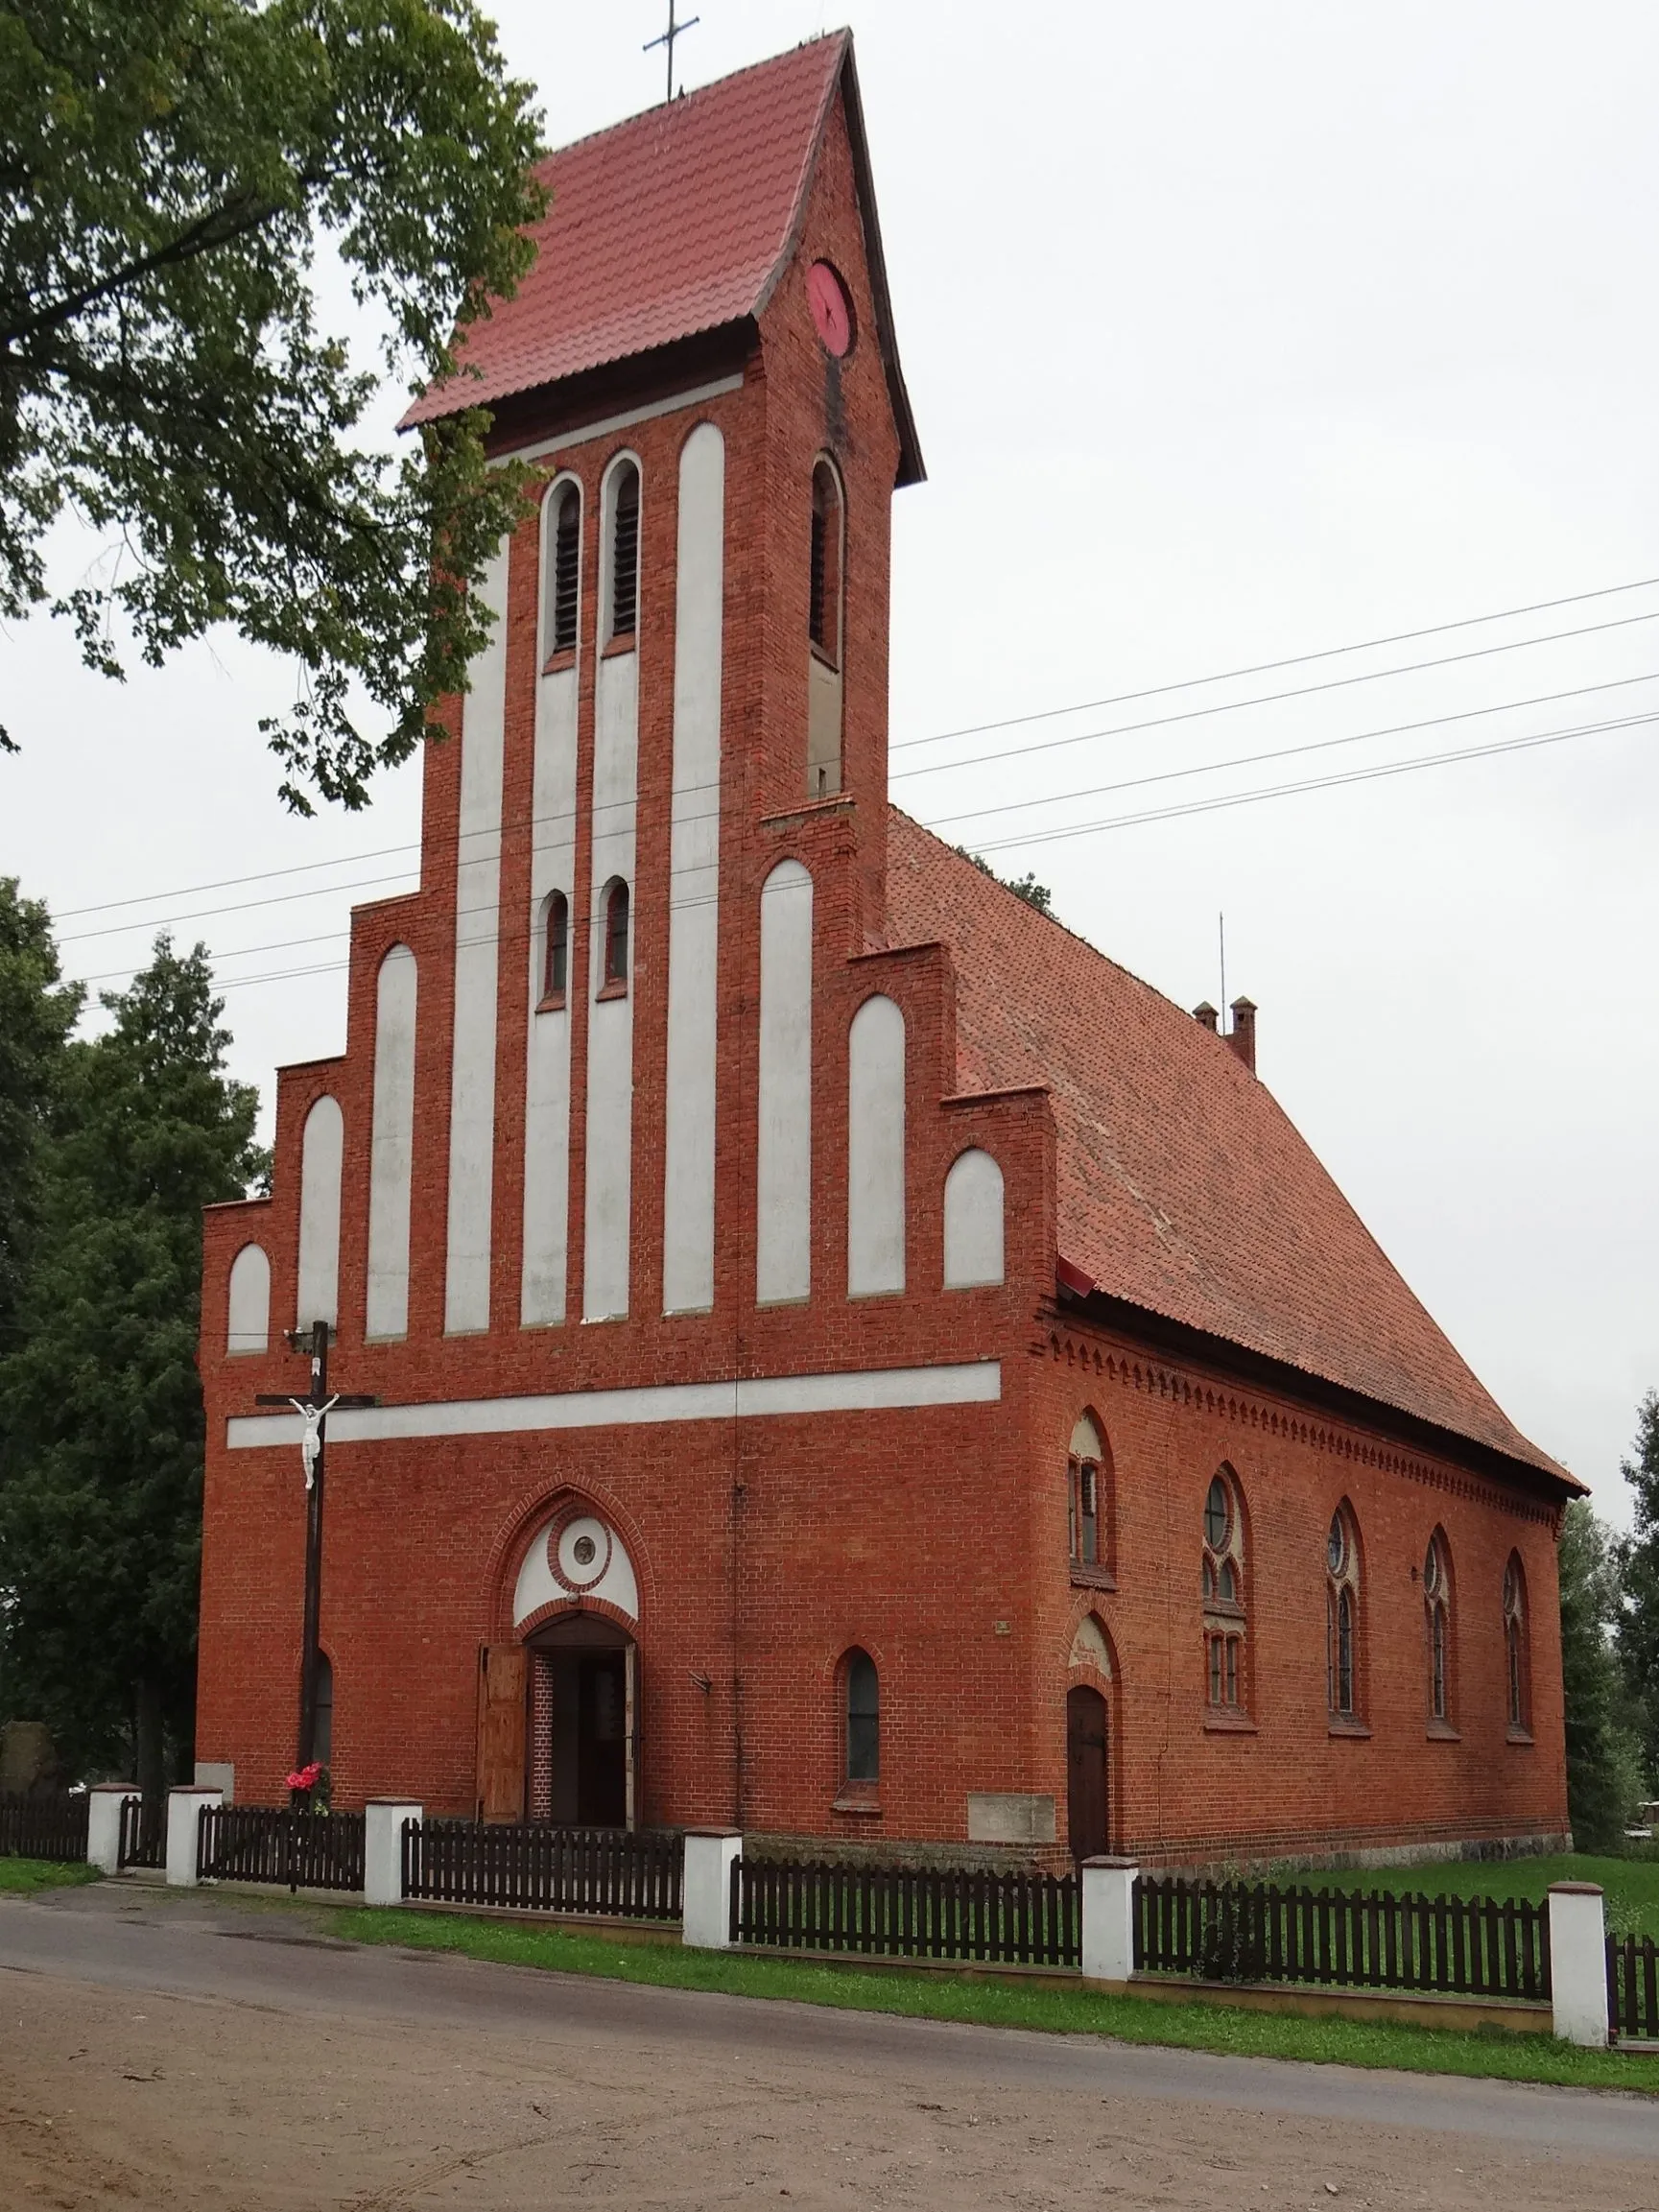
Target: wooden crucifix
[314, 1409]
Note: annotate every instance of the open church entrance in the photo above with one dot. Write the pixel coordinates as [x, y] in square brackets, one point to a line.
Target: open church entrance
[584, 1697]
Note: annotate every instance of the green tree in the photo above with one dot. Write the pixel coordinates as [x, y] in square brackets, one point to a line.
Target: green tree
[1638, 1621]
[1603, 1767]
[1026, 886]
[169, 171]
[36, 1014]
[101, 1407]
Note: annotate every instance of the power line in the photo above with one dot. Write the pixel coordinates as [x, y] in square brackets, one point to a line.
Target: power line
[1266, 699]
[1040, 836]
[1320, 784]
[1291, 660]
[1204, 768]
[439, 840]
[1289, 751]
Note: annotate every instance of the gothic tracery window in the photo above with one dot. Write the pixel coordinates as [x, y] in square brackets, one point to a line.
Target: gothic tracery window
[1343, 1616]
[1224, 1596]
[1516, 1657]
[1437, 1628]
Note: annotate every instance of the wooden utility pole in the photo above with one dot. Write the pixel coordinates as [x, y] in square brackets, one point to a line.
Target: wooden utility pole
[314, 1409]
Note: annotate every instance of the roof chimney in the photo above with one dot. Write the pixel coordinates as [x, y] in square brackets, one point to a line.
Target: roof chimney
[1242, 1037]
[1206, 1016]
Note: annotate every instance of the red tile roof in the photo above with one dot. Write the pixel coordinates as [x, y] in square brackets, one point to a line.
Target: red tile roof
[1184, 1189]
[677, 221]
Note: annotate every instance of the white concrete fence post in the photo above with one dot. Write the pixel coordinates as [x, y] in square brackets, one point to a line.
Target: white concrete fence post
[1108, 1908]
[104, 1802]
[183, 1811]
[383, 1820]
[1579, 1963]
[710, 1854]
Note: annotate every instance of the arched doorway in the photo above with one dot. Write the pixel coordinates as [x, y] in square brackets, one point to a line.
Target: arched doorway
[1086, 1810]
[582, 1698]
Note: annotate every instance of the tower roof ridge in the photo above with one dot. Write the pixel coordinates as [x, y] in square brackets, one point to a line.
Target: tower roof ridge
[675, 221]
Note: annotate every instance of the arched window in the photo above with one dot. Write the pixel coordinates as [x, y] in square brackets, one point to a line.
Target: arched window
[825, 633]
[862, 1718]
[561, 569]
[1516, 1655]
[1089, 1507]
[1437, 1628]
[1223, 1594]
[1343, 1616]
[615, 934]
[554, 948]
[824, 589]
[624, 605]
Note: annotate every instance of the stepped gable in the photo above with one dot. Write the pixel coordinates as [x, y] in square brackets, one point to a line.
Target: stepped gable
[1183, 1186]
[678, 221]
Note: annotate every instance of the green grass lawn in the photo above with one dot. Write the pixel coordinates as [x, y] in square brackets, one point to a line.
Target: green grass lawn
[22, 1876]
[1007, 2003]
[1632, 1885]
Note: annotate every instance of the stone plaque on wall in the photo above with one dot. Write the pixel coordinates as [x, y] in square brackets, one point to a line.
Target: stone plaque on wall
[1010, 1816]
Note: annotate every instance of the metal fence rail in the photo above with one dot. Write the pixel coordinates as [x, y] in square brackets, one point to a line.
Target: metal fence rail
[535, 1867]
[1633, 1987]
[142, 1840]
[1358, 1939]
[44, 1827]
[270, 1844]
[1006, 1919]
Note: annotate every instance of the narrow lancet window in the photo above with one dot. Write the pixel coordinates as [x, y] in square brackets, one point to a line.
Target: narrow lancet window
[616, 934]
[624, 552]
[556, 949]
[562, 570]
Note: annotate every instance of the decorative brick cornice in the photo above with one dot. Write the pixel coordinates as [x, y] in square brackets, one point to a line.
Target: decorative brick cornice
[1130, 1369]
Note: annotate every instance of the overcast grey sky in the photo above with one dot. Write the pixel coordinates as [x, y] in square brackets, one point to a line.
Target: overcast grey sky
[1233, 333]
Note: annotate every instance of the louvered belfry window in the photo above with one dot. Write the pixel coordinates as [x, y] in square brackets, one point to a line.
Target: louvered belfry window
[625, 555]
[823, 585]
[566, 570]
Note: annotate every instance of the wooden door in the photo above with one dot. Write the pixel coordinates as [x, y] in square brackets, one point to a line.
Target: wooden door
[1086, 1772]
[503, 1680]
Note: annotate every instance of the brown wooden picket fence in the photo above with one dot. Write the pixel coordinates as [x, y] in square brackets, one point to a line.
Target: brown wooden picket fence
[271, 1844]
[142, 1841]
[43, 1826]
[1004, 1917]
[1633, 1987]
[532, 1866]
[1343, 1939]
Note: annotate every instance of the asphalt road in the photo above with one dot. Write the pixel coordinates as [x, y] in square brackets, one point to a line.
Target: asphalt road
[65, 1956]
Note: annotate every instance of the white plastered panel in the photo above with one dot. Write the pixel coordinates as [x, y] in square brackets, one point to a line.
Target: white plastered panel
[392, 1144]
[547, 1060]
[609, 1163]
[247, 1324]
[783, 1134]
[876, 1150]
[693, 880]
[973, 1222]
[321, 1154]
[477, 934]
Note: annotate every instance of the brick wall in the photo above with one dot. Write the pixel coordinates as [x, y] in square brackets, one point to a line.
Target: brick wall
[766, 1548]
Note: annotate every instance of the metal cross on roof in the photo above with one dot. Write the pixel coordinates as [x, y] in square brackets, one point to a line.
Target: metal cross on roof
[666, 39]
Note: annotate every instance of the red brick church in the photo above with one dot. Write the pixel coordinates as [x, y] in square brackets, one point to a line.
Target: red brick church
[851, 1362]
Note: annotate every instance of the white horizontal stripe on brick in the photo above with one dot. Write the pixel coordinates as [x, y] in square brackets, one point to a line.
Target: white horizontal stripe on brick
[868, 1389]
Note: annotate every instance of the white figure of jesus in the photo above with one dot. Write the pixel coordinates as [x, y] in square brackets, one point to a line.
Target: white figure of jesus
[311, 1435]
